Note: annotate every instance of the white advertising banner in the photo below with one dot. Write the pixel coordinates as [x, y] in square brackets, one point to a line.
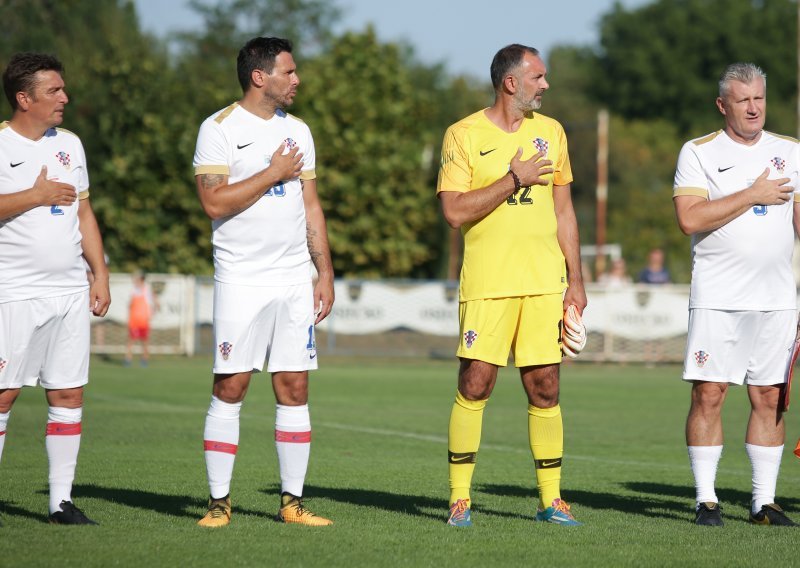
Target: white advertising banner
[638, 312]
[374, 307]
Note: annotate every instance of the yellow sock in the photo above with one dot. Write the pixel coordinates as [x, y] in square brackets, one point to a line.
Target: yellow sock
[463, 442]
[546, 436]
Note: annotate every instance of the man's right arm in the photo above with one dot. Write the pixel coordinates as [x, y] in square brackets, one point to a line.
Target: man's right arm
[467, 206]
[220, 199]
[44, 192]
[700, 215]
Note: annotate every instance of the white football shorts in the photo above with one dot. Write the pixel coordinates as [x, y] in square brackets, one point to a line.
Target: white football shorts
[46, 341]
[739, 346]
[253, 323]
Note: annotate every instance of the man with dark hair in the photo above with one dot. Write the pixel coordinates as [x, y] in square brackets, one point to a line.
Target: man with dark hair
[735, 193]
[46, 226]
[505, 181]
[255, 173]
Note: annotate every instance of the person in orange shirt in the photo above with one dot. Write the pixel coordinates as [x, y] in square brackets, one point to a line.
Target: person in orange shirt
[141, 307]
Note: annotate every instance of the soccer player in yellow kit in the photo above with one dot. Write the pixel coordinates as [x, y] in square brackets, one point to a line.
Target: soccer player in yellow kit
[504, 180]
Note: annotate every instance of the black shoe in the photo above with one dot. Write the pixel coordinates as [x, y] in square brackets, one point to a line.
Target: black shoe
[772, 515]
[70, 515]
[709, 515]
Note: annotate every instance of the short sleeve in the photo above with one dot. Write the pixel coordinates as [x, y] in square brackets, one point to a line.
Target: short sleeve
[211, 155]
[309, 158]
[562, 172]
[690, 179]
[455, 173]
[83, 174]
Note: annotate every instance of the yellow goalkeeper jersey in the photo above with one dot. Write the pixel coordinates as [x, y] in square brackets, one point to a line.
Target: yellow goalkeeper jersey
[514, 250]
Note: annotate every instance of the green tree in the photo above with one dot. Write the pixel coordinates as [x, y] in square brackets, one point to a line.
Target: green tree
[642, 158]
[663, 60]
[128, 108]
[375, 150]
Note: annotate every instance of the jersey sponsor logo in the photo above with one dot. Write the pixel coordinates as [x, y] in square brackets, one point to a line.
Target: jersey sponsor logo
[13, 165]
[63, 157]
[469, 337]
[3, 364]
[779, 163]
[541, 145]
[482, 153]
[225, 349]
[720, 170]
[700, 358]
[242, 146]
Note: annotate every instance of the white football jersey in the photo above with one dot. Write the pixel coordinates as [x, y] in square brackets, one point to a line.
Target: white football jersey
[40, 249]
[264, 245]
[747, 263]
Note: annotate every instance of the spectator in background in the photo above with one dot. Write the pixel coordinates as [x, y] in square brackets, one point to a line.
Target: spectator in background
[655, 273]
[617, 276]
[141, 307]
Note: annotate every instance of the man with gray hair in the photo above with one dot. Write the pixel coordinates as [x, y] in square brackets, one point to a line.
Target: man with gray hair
[734, 193]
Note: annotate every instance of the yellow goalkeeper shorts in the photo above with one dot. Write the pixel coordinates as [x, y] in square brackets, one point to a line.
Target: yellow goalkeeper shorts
[527, 326]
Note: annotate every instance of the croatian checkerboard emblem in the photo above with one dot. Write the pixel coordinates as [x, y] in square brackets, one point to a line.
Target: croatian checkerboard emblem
[289, 143]
[63, 157]
[700, 357]
[3, 364]
[541, 145]
[779, 163]
[470, 337]
[225, 349]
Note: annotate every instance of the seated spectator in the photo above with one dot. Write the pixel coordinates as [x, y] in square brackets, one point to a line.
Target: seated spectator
[617, 276]
[655, 273]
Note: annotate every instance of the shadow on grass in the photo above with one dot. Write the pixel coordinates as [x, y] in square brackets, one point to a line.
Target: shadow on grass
[734, 497]
[645, 506]
[162, 503]
[412, 505]
[658, 500]
[11, 510]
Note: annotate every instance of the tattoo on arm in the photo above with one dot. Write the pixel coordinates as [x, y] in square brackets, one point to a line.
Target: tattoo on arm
[311, 236]
[207, 181]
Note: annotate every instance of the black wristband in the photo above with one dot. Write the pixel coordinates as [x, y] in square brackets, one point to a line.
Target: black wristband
[517, 184]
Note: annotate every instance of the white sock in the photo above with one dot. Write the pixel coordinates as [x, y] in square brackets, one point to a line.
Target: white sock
[766, 461]
[221, 441]
[293, 442]
[704, 461]
[63, 440]
[3, 425]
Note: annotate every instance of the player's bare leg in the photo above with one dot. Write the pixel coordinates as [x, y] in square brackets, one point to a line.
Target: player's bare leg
[764, 445]
[221, 442]
[704, 442]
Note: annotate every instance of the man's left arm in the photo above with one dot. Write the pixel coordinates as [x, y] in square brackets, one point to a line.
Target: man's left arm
[92, 245]
[569, 241]
[318, 248]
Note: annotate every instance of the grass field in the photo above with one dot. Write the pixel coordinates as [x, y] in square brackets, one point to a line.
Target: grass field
[378, 468]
